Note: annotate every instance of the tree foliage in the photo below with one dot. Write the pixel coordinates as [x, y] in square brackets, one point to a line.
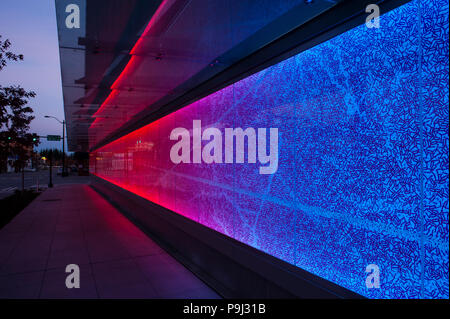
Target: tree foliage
[7, 55]
[55, 153]
[15, 116]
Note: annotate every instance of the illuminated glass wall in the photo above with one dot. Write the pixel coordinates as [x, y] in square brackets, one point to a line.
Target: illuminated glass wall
[362, 174]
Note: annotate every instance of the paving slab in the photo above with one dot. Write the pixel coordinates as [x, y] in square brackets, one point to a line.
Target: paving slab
[73, 224]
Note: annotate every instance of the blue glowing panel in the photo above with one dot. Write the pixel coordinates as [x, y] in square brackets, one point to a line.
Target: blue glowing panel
[435, 147]
[362, 174]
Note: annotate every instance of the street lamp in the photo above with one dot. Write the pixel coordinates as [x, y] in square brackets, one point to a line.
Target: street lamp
[63, 122]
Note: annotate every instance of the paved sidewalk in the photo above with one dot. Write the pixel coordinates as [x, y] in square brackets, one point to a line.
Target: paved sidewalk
[72, 224]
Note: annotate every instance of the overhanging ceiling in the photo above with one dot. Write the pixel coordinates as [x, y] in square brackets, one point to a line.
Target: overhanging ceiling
[129, 54]
[133, 60]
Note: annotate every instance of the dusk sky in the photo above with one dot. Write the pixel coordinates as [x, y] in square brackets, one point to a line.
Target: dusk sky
[31, 27]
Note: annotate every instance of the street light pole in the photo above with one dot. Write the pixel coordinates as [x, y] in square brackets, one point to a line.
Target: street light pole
[50, 183]
[64, 173]
[64, 150]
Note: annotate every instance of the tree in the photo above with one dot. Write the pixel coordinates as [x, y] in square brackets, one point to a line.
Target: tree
[56, 154]
[7, 55]
[15, 117]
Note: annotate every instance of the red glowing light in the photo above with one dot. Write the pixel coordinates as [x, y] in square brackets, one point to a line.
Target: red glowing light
[149, 26]
[107, 101]
[131, 65]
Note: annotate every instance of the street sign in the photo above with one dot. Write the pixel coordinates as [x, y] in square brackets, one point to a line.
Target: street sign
[53, 138]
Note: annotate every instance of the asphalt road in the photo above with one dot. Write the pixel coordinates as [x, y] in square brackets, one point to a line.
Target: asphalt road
[9, 182]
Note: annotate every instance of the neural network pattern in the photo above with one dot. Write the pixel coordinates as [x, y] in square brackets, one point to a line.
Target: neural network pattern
[363, 158]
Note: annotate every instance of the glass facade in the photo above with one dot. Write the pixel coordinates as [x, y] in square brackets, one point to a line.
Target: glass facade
[184, 44]
[362, 174]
